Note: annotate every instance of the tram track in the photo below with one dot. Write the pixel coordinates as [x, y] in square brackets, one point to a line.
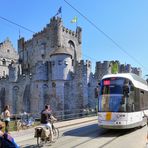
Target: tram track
[105, 133]
[86, 135]
[115, 138]
[94, 134]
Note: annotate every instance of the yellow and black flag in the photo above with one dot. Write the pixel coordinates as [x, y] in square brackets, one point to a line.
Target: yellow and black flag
[114, 68]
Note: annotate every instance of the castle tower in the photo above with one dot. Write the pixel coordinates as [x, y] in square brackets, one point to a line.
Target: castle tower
[8, 55]
[102, 69]
[14, 72]
[82, 84]
[61, 66]
[43, 43]
[56, 29]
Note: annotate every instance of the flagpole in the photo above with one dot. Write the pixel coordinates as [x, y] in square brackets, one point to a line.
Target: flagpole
[61, 14]
[19, 34]
[74, 20]
[76, 24]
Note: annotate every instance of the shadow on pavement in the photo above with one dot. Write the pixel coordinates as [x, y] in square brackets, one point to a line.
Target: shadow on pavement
[29, 146]
[83, 131]
[94, 131]
[36, 146]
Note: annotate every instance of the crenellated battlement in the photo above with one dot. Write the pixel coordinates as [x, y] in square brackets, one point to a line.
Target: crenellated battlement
[55, 20]
[70, 32]
[103, 64]
[39, 33]
[83, 63]
[83, 67]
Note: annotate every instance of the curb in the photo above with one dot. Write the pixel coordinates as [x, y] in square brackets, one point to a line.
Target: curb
[30, 134]
[77, 123]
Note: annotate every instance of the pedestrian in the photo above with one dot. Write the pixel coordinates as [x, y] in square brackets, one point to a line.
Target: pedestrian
[46, 116]
[6, 117]
[6, 140]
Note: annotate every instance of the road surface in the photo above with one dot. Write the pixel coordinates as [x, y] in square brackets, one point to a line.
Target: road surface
[88, 135]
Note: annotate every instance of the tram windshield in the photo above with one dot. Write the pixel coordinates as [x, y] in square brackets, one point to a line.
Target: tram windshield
[113, 94]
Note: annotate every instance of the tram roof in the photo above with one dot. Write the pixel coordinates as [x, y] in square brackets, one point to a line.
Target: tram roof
[136, 80]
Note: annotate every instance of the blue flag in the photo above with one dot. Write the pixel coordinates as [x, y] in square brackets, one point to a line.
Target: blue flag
[59, 11]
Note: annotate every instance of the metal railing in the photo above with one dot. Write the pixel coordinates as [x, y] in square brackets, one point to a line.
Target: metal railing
[60, 115]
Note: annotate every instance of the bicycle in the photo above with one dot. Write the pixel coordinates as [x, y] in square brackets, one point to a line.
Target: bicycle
[22, 124]
[55, 131]
[43, 134]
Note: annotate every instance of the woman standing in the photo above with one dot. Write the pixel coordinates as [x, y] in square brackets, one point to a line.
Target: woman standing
[6, 117]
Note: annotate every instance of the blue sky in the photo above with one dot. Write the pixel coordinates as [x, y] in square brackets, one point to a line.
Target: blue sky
[125, 21]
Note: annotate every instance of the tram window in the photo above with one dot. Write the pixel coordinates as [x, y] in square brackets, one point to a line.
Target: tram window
[125, 89]
[142, 92]
[131, 88]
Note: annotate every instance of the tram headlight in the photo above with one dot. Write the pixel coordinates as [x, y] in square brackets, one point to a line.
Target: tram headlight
[120, 116]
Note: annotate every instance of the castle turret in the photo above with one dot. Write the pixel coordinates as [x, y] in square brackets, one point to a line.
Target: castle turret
[14, 72]
[56, 27]
[61, 64]
[128, 68]
[23, 55]
[79, 34]
[102, 69]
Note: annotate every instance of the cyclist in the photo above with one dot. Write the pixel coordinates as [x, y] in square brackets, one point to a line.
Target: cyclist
[45, 119]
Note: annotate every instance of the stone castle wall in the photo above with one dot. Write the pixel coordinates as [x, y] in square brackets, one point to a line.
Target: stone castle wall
[43, 43]
[50, 71]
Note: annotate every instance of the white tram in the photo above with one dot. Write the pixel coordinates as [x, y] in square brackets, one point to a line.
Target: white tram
[123, 101]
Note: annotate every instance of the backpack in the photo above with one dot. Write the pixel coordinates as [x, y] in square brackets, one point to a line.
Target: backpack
[45, 133]
[38, 131]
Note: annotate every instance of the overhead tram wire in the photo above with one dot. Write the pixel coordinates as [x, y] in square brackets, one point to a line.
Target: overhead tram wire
[25, 28]
[107, 36]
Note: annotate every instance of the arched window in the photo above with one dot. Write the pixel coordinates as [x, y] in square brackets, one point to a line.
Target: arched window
[53, 84]
[15, 99]
[4, 62]
[26, 99]
[71, 44]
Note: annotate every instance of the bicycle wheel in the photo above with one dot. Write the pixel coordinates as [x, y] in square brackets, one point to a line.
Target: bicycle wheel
[41, 142]
[38, 141]
[55, 133]
[18, 125]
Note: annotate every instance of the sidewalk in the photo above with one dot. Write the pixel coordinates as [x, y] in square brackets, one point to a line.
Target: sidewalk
[29, 133]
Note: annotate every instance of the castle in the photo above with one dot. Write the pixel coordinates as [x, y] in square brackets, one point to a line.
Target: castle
[49, 70]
